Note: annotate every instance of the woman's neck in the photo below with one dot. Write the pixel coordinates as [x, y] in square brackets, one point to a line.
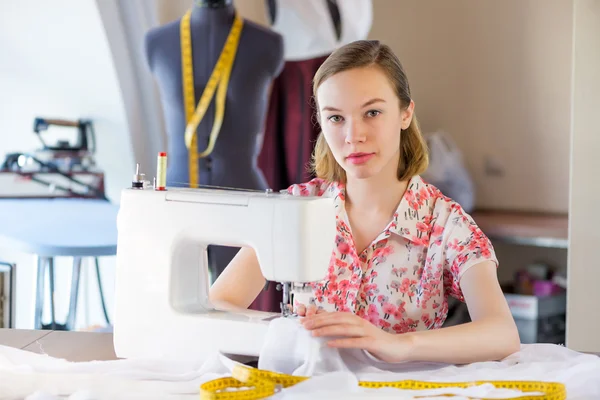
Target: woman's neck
[370, 194]
[379, 193]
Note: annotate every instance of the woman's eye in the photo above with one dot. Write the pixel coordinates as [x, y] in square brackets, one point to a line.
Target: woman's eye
[335, 118]
[373, 113]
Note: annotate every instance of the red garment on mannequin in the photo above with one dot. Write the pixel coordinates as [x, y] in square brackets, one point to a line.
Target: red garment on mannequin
[291, 127]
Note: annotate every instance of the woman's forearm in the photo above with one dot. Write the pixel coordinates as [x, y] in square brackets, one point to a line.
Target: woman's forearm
[485, 340]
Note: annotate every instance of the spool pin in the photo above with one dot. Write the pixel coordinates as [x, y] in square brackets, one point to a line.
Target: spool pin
[161, 171]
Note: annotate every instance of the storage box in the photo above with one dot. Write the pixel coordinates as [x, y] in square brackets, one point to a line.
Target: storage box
[7, 295]
[532, 307]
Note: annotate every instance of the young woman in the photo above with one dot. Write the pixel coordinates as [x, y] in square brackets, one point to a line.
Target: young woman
[402, 247]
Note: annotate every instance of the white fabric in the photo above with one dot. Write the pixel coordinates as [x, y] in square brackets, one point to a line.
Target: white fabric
[289, 349]
[308, 30]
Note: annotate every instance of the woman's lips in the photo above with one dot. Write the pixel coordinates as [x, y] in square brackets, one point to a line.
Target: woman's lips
[359, 158]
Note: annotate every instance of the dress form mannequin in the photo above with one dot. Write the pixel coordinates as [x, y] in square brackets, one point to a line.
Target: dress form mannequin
[258, 62]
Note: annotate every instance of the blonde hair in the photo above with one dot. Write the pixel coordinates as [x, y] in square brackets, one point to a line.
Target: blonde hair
[363, 53]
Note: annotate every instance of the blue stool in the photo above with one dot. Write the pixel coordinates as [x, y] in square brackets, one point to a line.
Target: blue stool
[56, 227]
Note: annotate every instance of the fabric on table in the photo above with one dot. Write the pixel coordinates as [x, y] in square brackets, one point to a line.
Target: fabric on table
[288, 349]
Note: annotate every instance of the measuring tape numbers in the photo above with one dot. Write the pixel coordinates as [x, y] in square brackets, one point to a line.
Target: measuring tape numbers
[248, 383]
[219, 77]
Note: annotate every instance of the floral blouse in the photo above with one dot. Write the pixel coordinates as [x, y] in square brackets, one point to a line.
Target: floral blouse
[402, 280]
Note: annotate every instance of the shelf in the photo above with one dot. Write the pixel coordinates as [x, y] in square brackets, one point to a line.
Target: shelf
[531, 229]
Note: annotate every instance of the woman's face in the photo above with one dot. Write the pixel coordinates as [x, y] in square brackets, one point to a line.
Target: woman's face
[361, 120]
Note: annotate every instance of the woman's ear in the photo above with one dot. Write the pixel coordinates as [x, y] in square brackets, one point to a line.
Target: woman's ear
[407, 115]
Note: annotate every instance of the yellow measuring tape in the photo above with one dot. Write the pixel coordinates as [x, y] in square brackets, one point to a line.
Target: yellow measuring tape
[220, 76]
[248, 383]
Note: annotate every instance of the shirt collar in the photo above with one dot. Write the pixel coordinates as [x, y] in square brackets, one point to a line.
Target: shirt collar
[413, 216]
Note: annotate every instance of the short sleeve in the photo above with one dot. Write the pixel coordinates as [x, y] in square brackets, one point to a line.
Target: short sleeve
[314, 187]
[466, 245]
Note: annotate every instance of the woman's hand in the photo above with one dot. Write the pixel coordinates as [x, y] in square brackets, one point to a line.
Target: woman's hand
[353, 331]
[304, 311]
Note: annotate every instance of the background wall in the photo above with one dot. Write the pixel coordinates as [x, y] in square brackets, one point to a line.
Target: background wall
[584, 269]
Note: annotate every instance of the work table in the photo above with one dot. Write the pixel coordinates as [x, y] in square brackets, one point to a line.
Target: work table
[71, 346]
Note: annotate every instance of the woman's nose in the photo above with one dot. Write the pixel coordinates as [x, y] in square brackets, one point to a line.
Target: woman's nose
[355, 132]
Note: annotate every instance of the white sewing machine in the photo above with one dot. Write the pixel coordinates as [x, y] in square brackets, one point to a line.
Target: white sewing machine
[162, 308]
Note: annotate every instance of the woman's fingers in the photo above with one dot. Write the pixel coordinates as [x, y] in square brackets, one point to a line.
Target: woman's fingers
[311, 310]
[337, 318]
[341, 330]
[301, 310]
[306, 311]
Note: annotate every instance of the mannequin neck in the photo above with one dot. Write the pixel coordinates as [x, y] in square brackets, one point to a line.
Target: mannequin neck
[213, 14]
[212, 4]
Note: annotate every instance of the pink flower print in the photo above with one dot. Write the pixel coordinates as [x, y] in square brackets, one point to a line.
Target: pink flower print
[388, 309]
[404, 288]
[371, 289]
[382, 299]
[384, 324]
[373, 275]
[344, 308]
[409, 195]
[401, 308]
[372, 309]
[411, 198]
[374, 319]
[304, 191]
[455, 245]
[344, 285]
[332, 278]
[319, 295]
[394, 224]
[421, 227]
[437, 230]
[333, 286]
[422, 241]
[344, 249]
[395, 285]
[404, 326]
[424, 194]
[341, 263]
[426, 320]
[412, 324]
